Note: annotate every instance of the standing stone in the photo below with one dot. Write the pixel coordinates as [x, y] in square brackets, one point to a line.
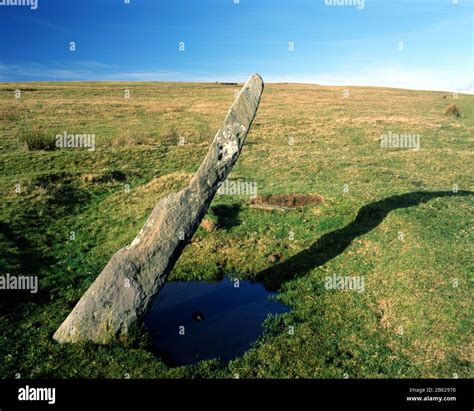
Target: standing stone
[118, 299]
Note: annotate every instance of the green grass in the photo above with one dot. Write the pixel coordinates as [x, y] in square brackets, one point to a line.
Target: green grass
[411, 321]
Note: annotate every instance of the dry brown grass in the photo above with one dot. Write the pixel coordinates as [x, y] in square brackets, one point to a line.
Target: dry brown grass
[453, 110]
[287, 200]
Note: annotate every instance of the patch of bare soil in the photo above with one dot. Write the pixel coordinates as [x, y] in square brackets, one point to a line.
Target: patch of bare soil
[285, 200]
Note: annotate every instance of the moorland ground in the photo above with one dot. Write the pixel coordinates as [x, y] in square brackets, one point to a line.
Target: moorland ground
[389, 216]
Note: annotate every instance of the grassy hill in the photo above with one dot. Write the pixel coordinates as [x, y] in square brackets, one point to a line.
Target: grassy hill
[388, 215]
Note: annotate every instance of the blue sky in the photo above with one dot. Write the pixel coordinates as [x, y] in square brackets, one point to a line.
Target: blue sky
[356, 44]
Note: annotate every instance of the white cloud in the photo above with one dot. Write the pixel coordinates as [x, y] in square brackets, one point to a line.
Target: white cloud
[449, 80]
[145, 76]
[35, 72]
[391, 76]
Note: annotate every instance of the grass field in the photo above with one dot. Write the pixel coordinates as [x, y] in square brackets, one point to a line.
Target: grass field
[389, 216]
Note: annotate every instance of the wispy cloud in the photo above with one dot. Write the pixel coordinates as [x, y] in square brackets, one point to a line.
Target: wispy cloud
[382, 76]
[31, 72]
[81, 70]
[160, 75]
[390, 76]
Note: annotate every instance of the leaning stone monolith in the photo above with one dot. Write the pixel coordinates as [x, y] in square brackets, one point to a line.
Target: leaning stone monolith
[121, 295]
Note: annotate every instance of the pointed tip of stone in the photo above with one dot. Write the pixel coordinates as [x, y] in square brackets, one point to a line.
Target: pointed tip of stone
[257, 77]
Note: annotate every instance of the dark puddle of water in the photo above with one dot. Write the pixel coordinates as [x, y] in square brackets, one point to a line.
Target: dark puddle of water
[219, 319]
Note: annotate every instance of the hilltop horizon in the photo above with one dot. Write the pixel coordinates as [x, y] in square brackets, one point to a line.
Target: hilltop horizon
[239, 82]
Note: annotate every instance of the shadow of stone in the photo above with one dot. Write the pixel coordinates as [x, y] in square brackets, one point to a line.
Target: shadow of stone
[20, 257]
[27, 239]
[332, 244]
[227, 215]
